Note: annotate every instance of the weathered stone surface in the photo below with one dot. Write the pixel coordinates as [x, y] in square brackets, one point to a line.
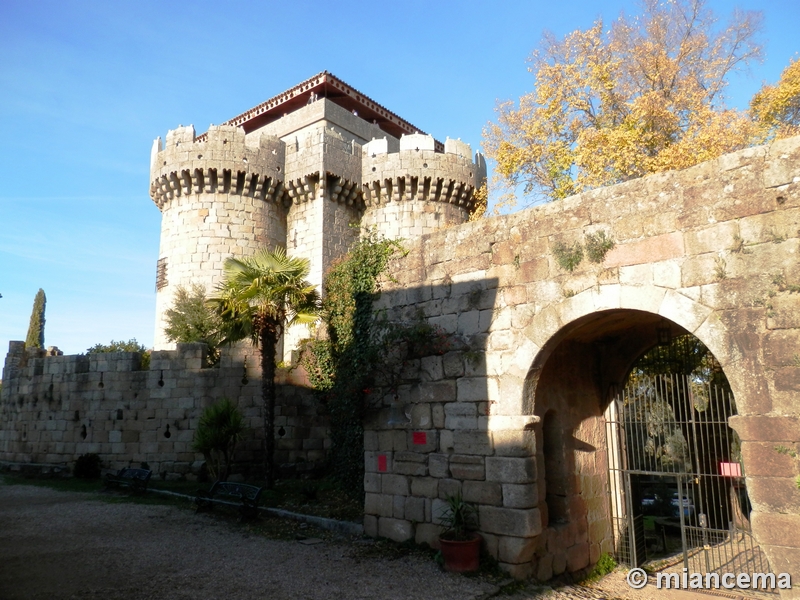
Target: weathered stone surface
[769, 459]
[467, 467]
[510, 469]
[510, 521]
[398, 530]
[520, 495]
[439, 465]
[394, 484]
[414, 509]
[482, 492]
[370, 525]
[372, 482]
[776, 529]
[461, 415]
[473, 442]
[766, 428]
[774, 494]
[516, 549]
[577, 557]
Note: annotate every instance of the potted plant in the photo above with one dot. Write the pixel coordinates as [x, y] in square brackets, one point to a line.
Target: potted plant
[459, 543]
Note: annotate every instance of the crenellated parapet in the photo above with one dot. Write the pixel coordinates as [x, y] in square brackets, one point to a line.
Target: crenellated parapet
[222, 161]
[418, 172]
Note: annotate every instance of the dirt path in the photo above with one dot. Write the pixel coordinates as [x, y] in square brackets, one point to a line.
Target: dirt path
[59, 546]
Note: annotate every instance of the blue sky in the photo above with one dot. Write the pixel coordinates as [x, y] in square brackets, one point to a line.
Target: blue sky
[85, 87]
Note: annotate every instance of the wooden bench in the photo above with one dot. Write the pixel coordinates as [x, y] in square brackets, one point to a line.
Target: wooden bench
[134, 479]
[247, 496]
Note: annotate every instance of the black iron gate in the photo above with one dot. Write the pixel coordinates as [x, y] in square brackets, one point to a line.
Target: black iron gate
[676, 483]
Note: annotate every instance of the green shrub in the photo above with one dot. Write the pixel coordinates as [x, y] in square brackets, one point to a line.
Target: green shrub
[605, 565]
[191, 320]
[219, 430]
[87, 466]
[130, 346]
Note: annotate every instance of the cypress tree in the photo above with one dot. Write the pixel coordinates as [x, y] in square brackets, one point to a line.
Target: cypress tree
[35, 337]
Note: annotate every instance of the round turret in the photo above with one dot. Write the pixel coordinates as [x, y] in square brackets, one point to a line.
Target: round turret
[220, 194]
[417, 190]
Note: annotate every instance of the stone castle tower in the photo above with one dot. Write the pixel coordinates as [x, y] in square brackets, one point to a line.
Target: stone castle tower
[298, 171]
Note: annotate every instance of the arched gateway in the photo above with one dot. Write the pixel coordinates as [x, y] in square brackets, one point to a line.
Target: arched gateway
[514, 416]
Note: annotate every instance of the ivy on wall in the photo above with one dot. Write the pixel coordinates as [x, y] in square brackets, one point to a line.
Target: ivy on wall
[363, 349]
[342, 366]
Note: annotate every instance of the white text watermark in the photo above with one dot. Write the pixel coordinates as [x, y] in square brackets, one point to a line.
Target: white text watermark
[638, 578]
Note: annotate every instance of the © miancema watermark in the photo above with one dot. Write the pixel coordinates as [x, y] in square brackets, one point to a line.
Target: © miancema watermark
[637, 579]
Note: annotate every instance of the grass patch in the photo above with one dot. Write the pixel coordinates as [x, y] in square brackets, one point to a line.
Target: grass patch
[320, 497]
[605, 565]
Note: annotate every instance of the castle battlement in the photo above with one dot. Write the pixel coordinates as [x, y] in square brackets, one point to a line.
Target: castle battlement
[418, 172]
[300, 171]
[224, 161]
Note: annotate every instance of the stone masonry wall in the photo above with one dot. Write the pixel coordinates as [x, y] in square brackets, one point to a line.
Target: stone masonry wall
[712, 250]
[55, 408]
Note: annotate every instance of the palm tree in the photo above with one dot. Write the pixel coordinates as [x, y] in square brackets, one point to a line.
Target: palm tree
[258, 298]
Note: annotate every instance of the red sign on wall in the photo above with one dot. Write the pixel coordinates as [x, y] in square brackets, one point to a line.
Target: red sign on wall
[420, 438]
[382, 463]
[727, 469]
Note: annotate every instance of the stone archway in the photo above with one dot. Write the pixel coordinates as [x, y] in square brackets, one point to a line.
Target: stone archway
[588, 346]
[573, 378]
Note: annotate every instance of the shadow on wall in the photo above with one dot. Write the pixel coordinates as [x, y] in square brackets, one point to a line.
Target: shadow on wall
[531, 455]
[56, 408]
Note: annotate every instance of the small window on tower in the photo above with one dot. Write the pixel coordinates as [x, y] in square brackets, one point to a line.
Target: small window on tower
[161, 273]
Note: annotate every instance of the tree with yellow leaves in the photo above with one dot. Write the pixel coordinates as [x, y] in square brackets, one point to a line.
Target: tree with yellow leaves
[612, 104]
[776, 108]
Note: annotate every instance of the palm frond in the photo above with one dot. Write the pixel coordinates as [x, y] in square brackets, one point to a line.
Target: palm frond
[268, 287]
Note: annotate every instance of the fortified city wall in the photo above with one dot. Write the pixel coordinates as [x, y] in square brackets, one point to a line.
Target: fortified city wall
[55, 408]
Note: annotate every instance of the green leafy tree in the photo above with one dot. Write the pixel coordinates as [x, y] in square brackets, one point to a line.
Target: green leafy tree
[612, 103]
[130, 346]
[218, 432]
[35, 337]
[191, 319]
[258, 298]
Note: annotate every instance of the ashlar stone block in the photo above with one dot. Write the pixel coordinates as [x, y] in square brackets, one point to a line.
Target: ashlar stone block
[467, 467]
[510, 469]
[510, 521]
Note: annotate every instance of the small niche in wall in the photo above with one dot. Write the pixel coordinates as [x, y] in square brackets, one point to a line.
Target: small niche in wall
[555, 468]
[77, 416]
[167, 433]
[119, 414]
[83, 432]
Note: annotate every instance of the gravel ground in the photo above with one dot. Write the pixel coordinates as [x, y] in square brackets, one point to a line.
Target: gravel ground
[64, 545]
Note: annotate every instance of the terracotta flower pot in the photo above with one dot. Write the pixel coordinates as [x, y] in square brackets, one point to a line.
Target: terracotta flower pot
[461, 556]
